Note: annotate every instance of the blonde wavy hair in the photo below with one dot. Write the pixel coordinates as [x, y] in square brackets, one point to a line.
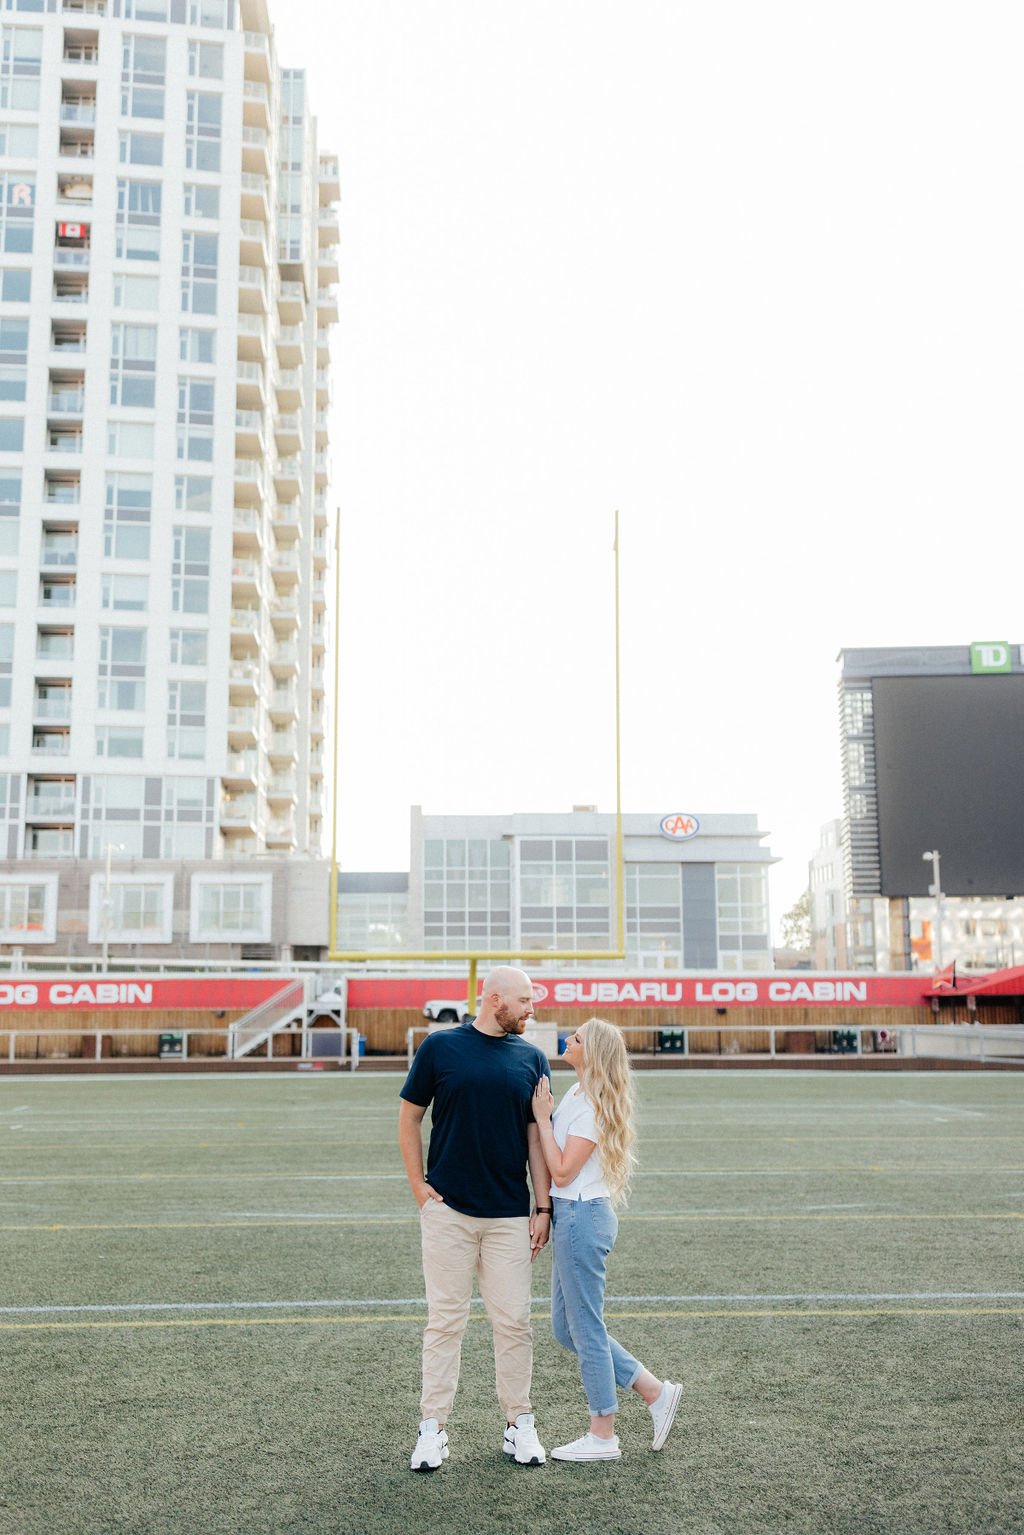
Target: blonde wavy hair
[608, 1083]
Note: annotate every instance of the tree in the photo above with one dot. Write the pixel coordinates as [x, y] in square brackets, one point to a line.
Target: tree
[796, 924]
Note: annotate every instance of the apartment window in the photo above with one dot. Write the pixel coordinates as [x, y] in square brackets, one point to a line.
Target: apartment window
[10, 507]
[741, 894]
[206, 60]
[17, 210]
[202, 130]
[28, 909]
[6, 664]
[201, 202]
[49, 842]
[125, 594]
[12, 434]
[5, 740]
[132, 364]
[195, 418]
[143, 63]
[8, 588]
[16, 286]
[190, 571]
[132, 292]
[193, 493]
[188, 647]
[19, 140]
[148, 10]
[137, 908]
[54, 644]
[130, 439]
[186, 720]
[119, 741]
[21, 64]
[126, 516]
[211, 13]
[195, 345]
[235, 910]
[122, 670]
[137, 229]
[141, 148]
[198, 273]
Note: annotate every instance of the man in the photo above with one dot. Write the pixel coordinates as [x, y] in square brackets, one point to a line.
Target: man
[475, 1205]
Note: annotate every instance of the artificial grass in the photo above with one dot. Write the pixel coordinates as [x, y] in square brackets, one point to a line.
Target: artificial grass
[801, 1418]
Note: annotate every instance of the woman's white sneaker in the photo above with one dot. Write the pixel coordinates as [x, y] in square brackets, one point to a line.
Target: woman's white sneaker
[431, 1447]
[522, 1443]
[590, 1447]
[663, 1412]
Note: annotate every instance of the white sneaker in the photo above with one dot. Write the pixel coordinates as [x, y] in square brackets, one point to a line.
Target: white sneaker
[663, 1412]
[590, 1447]
[521, 1441]
[431, 1447]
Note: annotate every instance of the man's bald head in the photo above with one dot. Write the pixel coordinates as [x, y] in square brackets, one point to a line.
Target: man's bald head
[506, 1005]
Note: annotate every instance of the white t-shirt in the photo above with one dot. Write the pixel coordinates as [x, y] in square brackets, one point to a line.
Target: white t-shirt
[575, 1116]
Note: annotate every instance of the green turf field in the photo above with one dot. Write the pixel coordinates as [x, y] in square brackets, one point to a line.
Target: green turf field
[832, 1263]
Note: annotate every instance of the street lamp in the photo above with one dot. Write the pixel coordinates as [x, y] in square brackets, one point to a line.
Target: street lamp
[107, 902]
[935, 889]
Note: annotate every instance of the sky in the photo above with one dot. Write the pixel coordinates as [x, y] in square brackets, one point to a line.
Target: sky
[749, 274]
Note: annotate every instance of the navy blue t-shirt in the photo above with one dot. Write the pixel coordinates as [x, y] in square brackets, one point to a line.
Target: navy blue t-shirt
[481, 1087]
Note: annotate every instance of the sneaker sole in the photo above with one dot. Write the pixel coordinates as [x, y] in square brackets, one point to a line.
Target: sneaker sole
[425, 1465]
[663, 1432]
[580, 1459]
[534, 1460]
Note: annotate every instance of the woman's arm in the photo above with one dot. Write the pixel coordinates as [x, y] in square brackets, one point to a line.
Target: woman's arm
[563, 1165]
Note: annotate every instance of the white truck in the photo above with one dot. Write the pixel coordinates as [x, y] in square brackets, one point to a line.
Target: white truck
[447, 1011]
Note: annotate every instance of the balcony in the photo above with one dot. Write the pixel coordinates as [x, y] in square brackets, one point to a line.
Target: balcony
[328, 179]
[50, 842]
[240, 769]
[321, 431]
[326, 306]
[252, 338]
[288, 384]
[284, 566]
[318, 636]
[65, 402]
[255, 151]
[81, 47]
[287, 520]
[245, 630]
[288, 434]
[244, 680]
[239, 812]
[249, 433]
[257, 57]
[283, 704]
[59, 806]
[68, 336]
[60, 550]
[66, 257]
[291, 345]
[316, 680]
[247, 527]
[252, 290]
[280, 833]
[320, 470]
[84, 7]
[288, 477]
[284, 614]
[246, 577]
[74, 187]
[255, 197]
[57, 592]
[79, 110]
[51, 743]
[327, 264]
[61, 439]
[256, 105]
[250, 386]
[252, 243]
[291, 302]
[327, 226]
[243, 726]
[283, 745]
[70, 287]
[284, 659]
[249, 483]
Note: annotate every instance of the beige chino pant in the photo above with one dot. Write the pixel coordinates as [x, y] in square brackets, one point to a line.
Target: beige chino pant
[455, 1247]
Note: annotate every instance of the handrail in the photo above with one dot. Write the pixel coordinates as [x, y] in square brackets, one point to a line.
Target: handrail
[350, 1038]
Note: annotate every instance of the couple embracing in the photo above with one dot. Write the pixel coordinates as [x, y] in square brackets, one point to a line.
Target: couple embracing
[493, 1115]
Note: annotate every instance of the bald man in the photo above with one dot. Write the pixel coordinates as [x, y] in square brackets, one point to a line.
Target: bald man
[475, 1215]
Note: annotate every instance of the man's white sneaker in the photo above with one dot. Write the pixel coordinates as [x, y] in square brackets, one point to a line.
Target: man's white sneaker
[663, 1412]
[431, 1447]
[590, 1447]
[522, 1443]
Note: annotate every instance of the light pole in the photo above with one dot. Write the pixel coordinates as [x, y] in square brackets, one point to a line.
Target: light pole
[935, 889]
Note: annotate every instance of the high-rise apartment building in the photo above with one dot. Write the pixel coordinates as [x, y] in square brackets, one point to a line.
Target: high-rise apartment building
[168, 255]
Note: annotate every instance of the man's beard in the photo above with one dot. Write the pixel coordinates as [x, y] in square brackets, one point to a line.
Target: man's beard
[508, 1020]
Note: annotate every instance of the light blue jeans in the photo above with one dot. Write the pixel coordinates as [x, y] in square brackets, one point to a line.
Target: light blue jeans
[584, 1235]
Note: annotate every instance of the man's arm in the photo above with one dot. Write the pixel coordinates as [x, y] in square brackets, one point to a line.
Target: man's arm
[540, 1225]
[410, 1144]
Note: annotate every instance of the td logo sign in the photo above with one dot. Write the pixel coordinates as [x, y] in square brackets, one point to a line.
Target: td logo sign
[990, 656]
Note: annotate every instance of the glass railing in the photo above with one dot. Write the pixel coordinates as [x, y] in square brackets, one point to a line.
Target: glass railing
[56, 708]
[78, 111]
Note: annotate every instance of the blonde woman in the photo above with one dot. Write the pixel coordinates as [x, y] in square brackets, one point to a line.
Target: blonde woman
[588, 1147]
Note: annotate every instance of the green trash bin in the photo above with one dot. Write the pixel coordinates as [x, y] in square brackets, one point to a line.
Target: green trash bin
[172, 1047]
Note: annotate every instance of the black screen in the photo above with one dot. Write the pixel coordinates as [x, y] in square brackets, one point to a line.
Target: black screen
[949, 755]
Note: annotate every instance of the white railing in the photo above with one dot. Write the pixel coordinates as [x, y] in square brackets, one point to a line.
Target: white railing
[312, 1044]
[962, 1042]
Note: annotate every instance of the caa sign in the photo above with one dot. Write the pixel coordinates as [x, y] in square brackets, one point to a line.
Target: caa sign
[679, 827]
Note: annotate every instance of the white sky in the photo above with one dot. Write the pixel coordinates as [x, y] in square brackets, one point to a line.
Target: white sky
[750, 273]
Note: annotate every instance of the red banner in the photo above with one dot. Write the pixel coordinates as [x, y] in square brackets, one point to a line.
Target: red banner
[766, 990]
[227, 993]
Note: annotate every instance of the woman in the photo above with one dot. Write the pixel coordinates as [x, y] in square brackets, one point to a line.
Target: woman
[588, 1148]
